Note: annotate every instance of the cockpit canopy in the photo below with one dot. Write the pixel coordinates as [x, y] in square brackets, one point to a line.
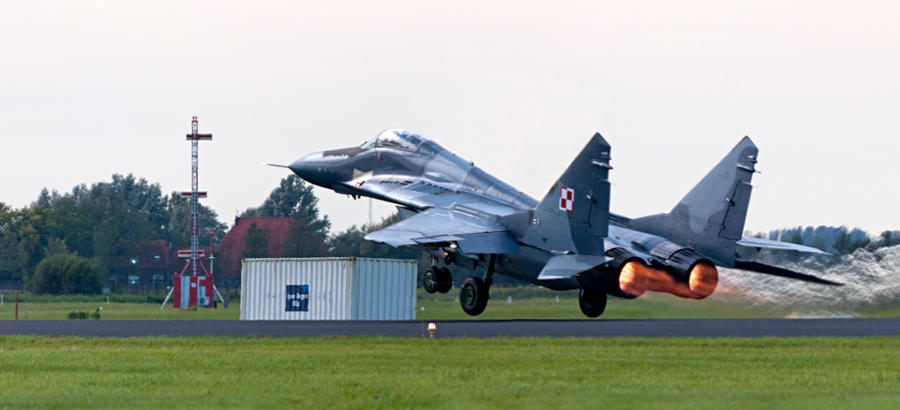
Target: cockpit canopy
[395, 138]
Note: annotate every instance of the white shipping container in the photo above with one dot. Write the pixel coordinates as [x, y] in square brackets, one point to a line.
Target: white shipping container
[328, 289]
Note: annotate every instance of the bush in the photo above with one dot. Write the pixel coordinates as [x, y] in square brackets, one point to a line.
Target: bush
[66, 273]
[79, 315]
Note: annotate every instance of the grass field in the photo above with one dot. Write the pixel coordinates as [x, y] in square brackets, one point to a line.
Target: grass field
[525, 303]
[457, 373]
[438, 307]
[434, 309]
[113, 311]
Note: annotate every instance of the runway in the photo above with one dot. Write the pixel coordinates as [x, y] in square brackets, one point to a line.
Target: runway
[462, 328]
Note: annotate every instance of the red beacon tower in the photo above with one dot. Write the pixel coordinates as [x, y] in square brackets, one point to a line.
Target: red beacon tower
[194, 287]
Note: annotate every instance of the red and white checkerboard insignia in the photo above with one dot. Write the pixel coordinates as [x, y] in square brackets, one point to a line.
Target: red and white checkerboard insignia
[566, 199]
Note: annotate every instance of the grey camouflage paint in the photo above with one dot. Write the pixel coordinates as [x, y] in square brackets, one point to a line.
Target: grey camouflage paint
[451, 205]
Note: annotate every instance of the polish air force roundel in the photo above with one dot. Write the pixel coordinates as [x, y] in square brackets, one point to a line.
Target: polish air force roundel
[566, 199]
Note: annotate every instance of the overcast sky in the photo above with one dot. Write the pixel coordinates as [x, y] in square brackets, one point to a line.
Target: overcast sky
[89, 89]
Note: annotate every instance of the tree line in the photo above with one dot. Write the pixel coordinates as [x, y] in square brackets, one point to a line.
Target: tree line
[836, 240]
[71, 242]
[68, 243]
[89, 231]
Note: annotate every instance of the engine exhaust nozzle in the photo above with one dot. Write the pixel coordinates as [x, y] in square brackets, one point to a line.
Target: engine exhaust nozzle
[637, 278]
[703, 280]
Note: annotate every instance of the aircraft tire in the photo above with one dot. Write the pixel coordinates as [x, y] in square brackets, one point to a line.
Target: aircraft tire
[592, 304]
[430, 279]
[473, 296]
[446, 280]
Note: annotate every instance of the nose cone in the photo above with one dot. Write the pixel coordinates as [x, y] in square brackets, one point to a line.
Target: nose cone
[308, 167]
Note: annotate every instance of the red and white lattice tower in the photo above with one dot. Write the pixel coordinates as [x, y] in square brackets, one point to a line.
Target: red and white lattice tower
[194, 137]
[194, 287]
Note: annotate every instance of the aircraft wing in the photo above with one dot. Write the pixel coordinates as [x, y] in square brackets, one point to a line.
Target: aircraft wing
[424, 194]
[472, 231]
[785, 246]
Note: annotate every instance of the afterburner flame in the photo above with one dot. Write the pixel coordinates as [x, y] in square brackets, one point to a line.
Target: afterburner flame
[703, 279]
[637, 278]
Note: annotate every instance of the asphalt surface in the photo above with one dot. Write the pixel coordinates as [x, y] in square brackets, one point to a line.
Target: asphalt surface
[462, 328]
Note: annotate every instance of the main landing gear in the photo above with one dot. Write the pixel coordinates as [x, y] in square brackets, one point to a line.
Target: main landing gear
[592, 303]
[473, 295]
[437, 280]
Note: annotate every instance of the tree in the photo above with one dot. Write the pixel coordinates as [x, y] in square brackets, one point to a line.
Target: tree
[65, 273]
[888, 239]
[12, 258]
[293, 197]
[351, 242]
[178, 210]
[347, 243]
[256, 244]
[6, 216]
[71, 222]
[56, 246]
[302, 241]
[12, 253]
[842, 243]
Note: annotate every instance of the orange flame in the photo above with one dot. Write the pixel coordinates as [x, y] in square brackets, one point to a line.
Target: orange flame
[637, 278]
[703, 279]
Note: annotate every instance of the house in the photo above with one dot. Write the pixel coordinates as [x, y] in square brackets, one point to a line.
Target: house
[151, 266]
[230, 250]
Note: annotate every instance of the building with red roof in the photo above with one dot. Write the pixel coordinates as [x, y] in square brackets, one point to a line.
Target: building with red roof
[151, 266]
[230, 250]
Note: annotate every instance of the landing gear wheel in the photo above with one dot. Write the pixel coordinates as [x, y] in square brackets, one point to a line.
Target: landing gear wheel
[473, 296]
[445, 279]
[592, 303]
[429, 280]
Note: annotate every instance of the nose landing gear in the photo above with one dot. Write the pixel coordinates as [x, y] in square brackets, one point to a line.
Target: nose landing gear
[437, 279]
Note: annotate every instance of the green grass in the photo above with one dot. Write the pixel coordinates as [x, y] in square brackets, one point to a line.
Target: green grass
[525, 303]
[535, 303]
[435, 308]
[51, 372]
[113, 311]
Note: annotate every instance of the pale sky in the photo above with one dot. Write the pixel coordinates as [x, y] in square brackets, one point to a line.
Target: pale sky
[88, 89]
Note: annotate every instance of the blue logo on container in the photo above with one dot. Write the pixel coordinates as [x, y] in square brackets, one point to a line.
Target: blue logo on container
[297, 298]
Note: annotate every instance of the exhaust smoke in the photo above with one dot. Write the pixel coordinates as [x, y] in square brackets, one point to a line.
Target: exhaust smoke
[871, 281]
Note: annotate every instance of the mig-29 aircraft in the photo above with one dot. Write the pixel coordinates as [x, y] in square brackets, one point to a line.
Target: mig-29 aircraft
[568, 240]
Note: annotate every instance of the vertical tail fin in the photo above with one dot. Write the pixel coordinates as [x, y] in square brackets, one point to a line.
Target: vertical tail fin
[574, 215]
[710, 218]
[721, 198]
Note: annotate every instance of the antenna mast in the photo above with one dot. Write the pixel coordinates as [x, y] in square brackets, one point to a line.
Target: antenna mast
[195, 137]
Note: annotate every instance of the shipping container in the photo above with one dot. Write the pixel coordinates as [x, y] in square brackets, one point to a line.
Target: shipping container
[328, 289]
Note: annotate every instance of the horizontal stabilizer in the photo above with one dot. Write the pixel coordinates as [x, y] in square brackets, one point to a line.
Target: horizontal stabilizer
[784, 246]
[568, 266]
[784, 273]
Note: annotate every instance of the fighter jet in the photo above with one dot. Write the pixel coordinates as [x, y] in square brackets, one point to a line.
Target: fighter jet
[568, 240]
